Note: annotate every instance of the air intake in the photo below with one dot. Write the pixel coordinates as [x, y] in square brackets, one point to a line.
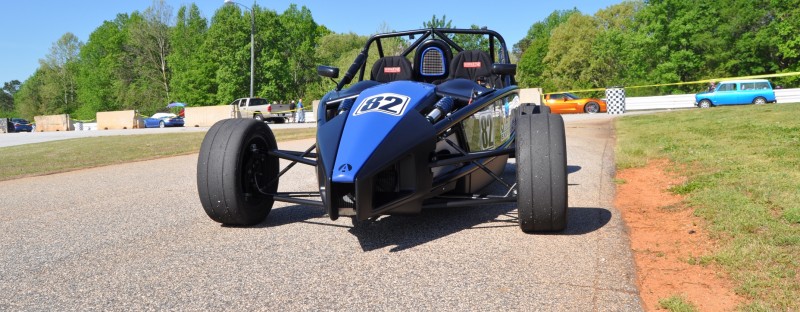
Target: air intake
[433, 62]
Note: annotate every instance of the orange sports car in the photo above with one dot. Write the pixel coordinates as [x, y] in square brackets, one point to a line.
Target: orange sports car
[564, 103]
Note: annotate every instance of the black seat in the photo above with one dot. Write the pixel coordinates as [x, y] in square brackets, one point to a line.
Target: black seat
[391, 68]
[474, 65]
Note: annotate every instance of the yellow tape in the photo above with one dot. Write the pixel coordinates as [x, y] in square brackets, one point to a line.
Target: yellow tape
[690, 82]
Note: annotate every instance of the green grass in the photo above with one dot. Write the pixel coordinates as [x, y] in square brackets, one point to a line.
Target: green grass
[677, 304]
[60, 156]
[743, 170]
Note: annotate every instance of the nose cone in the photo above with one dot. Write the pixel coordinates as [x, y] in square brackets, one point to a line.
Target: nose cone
[375, 114]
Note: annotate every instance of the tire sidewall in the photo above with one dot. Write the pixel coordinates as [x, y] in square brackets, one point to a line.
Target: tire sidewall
[221, 172]
[541, 173]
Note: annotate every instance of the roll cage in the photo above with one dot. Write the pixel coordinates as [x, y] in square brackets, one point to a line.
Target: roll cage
[497, 50]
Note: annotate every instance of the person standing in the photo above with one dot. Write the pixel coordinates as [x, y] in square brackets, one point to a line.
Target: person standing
[301, 114]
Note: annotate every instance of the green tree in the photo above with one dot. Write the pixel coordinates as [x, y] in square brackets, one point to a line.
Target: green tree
[532, 49]
[191, 74]
[102, 72]
[54, 89]
[29, 100]
[615, 48]
[438, 22]
[150, 44]
[7, 97]
[227, 45]
[569, 53]
[301, 34]
[337, 50]
[678, 36]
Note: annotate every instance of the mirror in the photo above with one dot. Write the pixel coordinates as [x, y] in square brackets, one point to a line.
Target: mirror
[504, 69]
[328, 71]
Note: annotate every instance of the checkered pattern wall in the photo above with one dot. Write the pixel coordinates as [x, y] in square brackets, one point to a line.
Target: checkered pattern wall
[615, 100]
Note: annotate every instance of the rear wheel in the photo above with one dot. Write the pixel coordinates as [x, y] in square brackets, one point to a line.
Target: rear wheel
[705, 104]
[258, 117]
[759, 100]
[234, 170]
[541, 153]
[591, 108]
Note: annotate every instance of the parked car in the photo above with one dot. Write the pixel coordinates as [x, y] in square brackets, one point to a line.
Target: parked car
[566, 102]
[161, 120]
[259, 109]
[755, 91]
[21, 125]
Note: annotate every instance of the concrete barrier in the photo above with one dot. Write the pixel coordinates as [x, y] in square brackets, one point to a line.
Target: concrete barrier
[6, 126]
[531, 95]
[687, 100]
[52, 123]
[118, 120]
[207, 116]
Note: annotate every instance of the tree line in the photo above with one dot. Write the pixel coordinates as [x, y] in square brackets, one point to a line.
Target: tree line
[144, 60]
[661, 41]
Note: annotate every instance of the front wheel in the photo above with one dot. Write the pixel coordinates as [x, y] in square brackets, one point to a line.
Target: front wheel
[705, 104]
[591, 108]
[759, 101]
[161, 124]
[541, 152]
[235, 173]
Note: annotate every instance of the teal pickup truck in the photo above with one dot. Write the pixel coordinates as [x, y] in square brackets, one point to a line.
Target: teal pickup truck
[752, 91]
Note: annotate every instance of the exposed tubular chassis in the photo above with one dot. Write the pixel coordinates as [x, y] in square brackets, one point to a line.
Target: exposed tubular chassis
[406, 145]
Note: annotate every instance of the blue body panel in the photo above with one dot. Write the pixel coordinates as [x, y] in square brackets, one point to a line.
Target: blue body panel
[375, 113]
[168, 122]
[738, 92]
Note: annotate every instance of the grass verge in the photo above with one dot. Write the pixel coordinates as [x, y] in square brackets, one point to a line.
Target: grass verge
[60, 156]
[743, 170]
[677, 304]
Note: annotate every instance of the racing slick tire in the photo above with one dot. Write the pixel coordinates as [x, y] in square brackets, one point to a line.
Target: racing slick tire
[535, 109]
[541, 152]
[234, 168]
[530, 108]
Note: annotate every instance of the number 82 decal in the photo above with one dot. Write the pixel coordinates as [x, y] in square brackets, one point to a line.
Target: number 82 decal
[387, 103]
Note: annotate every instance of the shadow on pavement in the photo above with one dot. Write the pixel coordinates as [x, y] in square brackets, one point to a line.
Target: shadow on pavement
[404, 232]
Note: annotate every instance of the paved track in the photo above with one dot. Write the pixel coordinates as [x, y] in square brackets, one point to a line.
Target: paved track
[134, 237]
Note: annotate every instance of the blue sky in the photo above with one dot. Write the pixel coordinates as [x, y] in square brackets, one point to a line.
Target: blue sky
[31, 27]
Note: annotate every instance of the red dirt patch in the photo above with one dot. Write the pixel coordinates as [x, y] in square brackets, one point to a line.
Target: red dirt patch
[664, 236]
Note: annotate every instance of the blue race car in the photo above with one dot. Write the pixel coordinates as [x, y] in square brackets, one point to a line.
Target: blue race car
[430, 126]
[161, 120]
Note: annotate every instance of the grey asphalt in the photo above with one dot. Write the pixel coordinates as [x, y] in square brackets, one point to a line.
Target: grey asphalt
[134, 237]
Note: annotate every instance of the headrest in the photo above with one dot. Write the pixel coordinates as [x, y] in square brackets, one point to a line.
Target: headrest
[391, 68]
